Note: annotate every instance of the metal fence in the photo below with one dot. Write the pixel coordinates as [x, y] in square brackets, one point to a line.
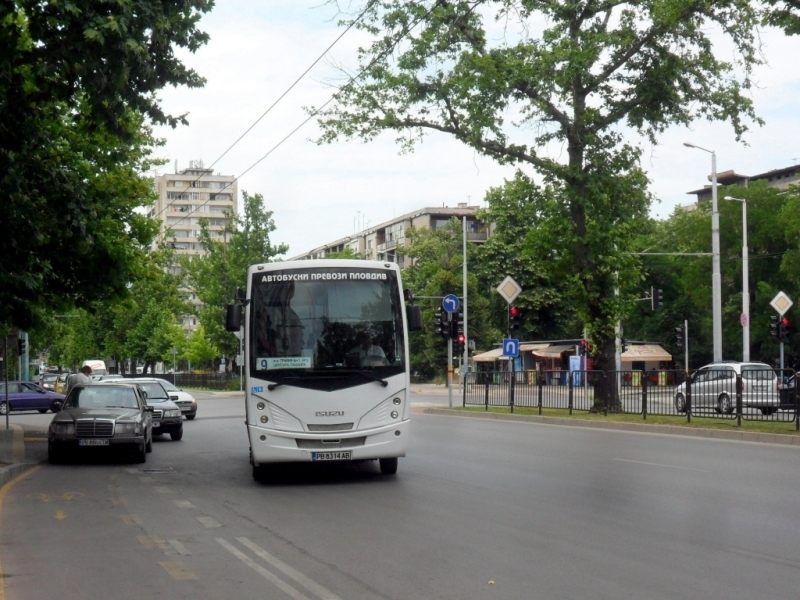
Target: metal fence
[208, 381]
[728, 392]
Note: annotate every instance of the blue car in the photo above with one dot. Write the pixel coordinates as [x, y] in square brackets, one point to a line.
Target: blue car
[24, 395]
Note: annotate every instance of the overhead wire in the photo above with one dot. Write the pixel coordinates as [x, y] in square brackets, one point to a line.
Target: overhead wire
[271, 106]
[316, 111]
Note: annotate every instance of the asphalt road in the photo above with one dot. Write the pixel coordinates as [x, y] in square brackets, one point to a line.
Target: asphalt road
[479, 509]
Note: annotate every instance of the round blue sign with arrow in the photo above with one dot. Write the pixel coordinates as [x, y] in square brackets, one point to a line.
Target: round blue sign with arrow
[450, 303]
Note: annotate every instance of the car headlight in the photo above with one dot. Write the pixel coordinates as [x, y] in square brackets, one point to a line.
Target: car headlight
[172, 413]
[125, 428]
[62, 428]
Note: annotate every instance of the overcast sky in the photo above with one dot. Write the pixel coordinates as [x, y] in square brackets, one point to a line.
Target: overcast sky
[321, 193]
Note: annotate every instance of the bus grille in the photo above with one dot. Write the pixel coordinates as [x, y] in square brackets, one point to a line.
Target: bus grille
[320, 445]
[331, 427]
[94, 428]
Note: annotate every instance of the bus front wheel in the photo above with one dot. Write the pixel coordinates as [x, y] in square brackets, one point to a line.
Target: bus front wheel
[388, 466]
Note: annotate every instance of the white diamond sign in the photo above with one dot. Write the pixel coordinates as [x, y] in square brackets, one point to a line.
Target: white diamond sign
[509, 289]
[781, 303]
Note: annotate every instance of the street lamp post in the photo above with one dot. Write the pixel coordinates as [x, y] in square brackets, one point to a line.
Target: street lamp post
[716, 278]
[745, 283]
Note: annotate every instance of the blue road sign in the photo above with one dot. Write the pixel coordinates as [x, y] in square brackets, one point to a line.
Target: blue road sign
[511, 347]
[450, 303]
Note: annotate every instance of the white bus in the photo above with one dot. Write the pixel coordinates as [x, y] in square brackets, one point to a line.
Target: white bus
[326, 361]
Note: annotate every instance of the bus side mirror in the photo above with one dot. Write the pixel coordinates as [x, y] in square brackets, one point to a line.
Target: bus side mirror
[414, 317]
[233, 317]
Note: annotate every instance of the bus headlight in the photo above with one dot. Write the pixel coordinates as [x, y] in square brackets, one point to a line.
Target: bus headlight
[396, 401]
[395, 414]
[264, 418]
[260, 406]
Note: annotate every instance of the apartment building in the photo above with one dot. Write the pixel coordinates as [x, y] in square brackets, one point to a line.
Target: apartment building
[380, 242]
[778, 178]
[184, 198]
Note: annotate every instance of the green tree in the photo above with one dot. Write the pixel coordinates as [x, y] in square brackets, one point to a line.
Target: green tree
[437, 256]
[571, 75]
[216, 274]
[347, 253]
[200, 349]
[78, 83]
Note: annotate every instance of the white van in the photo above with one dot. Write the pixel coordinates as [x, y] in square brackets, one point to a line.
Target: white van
[98, 366]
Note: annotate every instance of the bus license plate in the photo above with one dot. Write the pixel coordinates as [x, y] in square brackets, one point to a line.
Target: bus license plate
[92, 442]
[331, 455]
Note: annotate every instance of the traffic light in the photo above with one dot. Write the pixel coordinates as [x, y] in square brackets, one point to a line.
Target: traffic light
[457, 324]
[656, 298]
[680, 337]
[623, 344]
[441, 325]
[783, 330]
[458, 344]
[21, 346]
[514, 314]
[775, 326]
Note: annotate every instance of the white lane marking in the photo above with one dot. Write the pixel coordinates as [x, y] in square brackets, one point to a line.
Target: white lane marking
[179, 547]
[297, 595]
[307, 583]
[638, 462]
[209, 522]
[184, 504]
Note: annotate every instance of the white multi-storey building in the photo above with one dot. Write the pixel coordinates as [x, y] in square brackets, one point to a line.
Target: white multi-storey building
[184, 198]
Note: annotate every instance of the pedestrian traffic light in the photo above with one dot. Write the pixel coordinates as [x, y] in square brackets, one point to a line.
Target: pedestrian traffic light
[514, 314]
[775, 326]
[656, 298]
[783, 330]
[21, 346]
[680, 337]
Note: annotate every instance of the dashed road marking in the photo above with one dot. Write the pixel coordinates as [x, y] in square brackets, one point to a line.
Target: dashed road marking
[178, 570]
[152, 542]
[184, 504]
[180, 548]
[209, 522]
[130, 519]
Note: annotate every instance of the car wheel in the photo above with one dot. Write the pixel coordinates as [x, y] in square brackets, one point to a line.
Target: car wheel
[42, 410]
[190, 417]
[140, 455]
[3, 408]
[680, 403]
[724, 405]
[767, 410]
[149, 445]
[176, 435]
[388, 466]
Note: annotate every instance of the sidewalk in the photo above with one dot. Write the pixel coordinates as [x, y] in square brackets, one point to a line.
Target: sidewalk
[20, 450]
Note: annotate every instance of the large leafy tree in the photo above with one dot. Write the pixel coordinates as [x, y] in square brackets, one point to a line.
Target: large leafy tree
[548, 85]
[78, 83]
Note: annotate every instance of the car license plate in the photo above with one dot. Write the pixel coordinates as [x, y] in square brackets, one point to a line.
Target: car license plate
[92, 442]
[347, 455]
[185, 408]
[156, 423]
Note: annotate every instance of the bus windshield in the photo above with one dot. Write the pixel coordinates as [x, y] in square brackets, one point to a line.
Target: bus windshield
[326, 321]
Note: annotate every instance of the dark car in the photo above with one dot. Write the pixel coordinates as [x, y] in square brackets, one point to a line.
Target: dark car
[184, 400]
[788, 391]
[166, 414]
[24, 395]
[101, 416]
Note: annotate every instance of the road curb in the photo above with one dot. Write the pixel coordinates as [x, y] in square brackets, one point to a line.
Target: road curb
[741, 436]
[9, 472]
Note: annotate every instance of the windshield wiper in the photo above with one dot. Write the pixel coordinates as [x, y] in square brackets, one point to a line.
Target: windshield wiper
[371, 376]
[280, 382]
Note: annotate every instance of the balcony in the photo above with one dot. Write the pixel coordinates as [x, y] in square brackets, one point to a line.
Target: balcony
[477, 236]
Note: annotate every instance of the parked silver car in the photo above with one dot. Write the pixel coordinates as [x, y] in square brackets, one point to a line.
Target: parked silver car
[714, 386]
[101, 416]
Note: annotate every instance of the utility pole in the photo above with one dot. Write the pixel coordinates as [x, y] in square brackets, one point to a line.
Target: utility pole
[465, 363]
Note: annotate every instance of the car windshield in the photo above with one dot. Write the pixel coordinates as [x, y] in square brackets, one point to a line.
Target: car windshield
[155, 392]
[169, 387]
[101, 397]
